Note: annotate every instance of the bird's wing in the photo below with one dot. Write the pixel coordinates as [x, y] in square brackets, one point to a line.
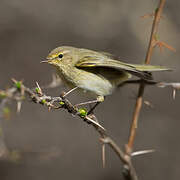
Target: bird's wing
[96, 61]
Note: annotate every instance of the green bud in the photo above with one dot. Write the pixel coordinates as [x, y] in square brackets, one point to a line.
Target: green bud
[61, 103]
[37, 90]
[43, 101]
[18, 84]
[82, 112]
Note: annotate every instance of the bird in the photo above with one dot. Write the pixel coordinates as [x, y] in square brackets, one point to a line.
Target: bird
[95, 73]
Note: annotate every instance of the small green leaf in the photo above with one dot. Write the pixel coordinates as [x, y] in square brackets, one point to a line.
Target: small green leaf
[82, 112]
[37, 90]
[61, 103]
[43, 101]
[18, 84]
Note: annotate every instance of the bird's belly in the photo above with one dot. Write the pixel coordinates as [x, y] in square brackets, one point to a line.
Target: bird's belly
[96, 84]
[89, 83]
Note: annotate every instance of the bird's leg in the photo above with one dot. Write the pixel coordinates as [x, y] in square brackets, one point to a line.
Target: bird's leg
[97, 102]
[88, 102]
[93, 108]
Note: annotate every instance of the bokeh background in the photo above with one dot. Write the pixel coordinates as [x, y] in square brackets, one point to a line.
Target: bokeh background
[55, 145]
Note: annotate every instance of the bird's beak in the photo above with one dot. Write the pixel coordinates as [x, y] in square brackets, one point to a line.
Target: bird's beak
[44, 61]
[47, 61]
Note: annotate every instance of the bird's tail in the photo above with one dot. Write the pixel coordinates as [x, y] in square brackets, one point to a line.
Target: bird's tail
[144, 71]
[150, 68]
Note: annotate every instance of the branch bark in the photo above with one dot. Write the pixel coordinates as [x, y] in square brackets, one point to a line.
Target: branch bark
[139, 100]
[61, 102]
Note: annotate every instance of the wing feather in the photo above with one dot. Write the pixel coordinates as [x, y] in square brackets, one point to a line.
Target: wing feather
[96, 61]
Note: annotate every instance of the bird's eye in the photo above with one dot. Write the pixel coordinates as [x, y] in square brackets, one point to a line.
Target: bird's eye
[60, 56]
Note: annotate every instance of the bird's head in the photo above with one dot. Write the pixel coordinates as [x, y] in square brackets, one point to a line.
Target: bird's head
[62, 56]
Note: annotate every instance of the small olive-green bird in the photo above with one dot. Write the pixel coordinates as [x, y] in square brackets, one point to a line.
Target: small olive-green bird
[95, 72]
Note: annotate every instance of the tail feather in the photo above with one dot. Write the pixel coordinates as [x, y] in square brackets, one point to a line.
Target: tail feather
[143, 71]
[151, 68]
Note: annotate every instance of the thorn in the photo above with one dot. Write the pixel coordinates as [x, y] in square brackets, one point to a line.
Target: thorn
[147, 15]
[174, 93]
[37, 84]
[39, 88]
[95, 123]
[162, 44]
[50, 106]
[148, 104]
[142, 152]
[22, 91]
[19, 104]
[168, 46]
[13, 80]
[103, 156]
[69, 91]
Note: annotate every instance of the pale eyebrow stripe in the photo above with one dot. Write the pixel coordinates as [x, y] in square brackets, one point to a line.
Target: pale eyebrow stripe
[55, 55]
[65, 52]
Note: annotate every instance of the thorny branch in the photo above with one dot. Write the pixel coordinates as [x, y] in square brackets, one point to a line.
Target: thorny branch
[20, 92]
[37, 96]
[139, 100]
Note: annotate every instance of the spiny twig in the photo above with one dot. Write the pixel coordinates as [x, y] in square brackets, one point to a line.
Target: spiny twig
[139, 100]
[61, 102]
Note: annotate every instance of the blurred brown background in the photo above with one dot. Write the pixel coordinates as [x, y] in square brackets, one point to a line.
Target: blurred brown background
[55, 145]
